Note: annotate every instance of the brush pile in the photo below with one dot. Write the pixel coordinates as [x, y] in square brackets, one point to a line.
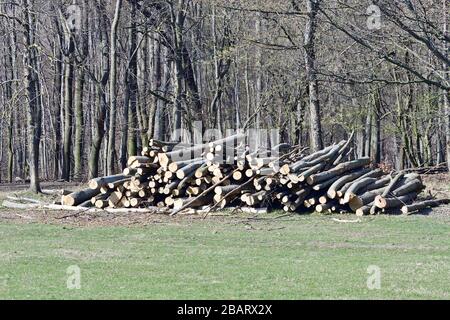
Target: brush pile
[226, 173]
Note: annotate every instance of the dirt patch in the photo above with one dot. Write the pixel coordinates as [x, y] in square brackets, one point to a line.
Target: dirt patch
[52, 185]
[86, 219]
[437, 184]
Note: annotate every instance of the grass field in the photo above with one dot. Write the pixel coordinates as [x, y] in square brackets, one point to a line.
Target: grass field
[296, 257]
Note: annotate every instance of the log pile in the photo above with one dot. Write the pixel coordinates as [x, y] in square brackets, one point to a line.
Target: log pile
[227, 173]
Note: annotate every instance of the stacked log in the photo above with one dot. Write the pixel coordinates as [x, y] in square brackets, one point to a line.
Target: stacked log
[227, 173]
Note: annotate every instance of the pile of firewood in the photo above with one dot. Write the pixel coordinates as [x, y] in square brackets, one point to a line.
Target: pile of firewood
[226, 173]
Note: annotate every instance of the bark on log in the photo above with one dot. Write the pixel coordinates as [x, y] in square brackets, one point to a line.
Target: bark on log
[79, 197]
[338, 170]
[397, 202]
[372, 174]
[418, 206]
[355, 187]
[332, 191]
[365, 210]
[411, 186]
[194, 152]
[190, 168]
[103, 181]
[361, 200]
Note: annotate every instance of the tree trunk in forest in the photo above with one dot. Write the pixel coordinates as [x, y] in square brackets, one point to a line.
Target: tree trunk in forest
[195, 103]
[79, 94]
[368, 131]
[125, 122]
[143, 84]
[311, 75]
[221, 68]
[110, 152]
[446, 94]
[10, 147]
[33, 92]
[162, 68]
[58, 105]
[132, 83]
[154, 116]
[69, 66]
[375, 152]
[177, 25]
[101, 107]
[11, 89]
[68, 110]
[258, 88]
[78, 148]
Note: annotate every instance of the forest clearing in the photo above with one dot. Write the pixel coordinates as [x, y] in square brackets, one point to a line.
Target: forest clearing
[171, 178]
[155, 256]
[272, 139]
[148, 256]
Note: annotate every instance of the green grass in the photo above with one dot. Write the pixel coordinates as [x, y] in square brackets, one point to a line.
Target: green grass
[295, 258]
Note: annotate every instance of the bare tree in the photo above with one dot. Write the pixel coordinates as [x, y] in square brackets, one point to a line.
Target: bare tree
[312, 9]
[112, 90]
[33, 90]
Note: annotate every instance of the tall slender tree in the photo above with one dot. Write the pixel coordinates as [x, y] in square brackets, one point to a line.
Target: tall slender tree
[110, 152]
[312, 9]
[33, 90]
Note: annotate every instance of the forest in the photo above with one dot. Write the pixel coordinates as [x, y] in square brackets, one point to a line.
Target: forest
[85, 84]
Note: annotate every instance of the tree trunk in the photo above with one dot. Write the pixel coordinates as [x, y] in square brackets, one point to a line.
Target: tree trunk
[125, 123]
[110, 152]
[155, 116]
[58, 104]
[68, 105]
[178, 17]
[100, 113]
[375, 152]
[79, 94]
[132, 83]
[447, 77]
[78, 148]
[311, 75]
[32, 85]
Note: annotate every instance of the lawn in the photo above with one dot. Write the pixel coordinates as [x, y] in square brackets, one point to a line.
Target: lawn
[296, 257]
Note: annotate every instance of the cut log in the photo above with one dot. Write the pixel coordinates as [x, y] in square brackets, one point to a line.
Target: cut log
[325, 206]
[355, 187]
[326, 184]
[332, 191]
[79, 197]
[207, 191]
[103, 181]
[175, 166]
[189, 169]
[416, 207]
[397, 202]
[338, 170]
[343, 150]
[411, 186]
[196, 151]
[15, 205]
[364, 199]
[314, 169]
[371, 174]
[380, 183]
[365, 210]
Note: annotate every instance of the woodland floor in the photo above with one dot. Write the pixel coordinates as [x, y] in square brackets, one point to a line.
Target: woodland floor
[238, 256]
